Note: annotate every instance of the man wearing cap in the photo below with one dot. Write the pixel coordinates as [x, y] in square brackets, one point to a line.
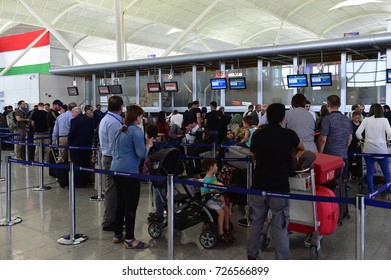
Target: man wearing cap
[61, 131]
[52, 116]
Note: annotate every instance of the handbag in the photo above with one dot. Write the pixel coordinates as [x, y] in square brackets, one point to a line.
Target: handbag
[302, 160]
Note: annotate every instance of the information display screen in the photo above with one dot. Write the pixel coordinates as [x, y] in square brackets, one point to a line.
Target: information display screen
[170, 86]
[321, 79]
[237, 83]
[116, 89]
[297, 80]
[73, 91]
[219, 83]
[154, 87]
[104, 89]
[388, 75]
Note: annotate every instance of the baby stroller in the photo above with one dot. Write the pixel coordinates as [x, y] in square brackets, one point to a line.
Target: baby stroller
[189, 206]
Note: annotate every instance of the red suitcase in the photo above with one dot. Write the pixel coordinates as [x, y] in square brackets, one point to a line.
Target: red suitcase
[327, 168]
[327, 213]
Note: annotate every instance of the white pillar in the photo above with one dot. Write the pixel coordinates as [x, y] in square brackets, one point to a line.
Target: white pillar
[343, 83]
[388, 66]
[222, 91]
[260, 82]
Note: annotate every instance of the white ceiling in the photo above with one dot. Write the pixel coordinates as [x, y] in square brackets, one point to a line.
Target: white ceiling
[204, 25]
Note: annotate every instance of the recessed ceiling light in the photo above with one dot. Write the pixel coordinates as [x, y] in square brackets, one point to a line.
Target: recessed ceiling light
[348, 3]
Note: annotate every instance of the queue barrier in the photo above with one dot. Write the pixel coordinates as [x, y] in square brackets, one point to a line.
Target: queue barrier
[360, 201]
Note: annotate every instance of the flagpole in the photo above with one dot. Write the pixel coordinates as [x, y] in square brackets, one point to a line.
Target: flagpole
[16, 59]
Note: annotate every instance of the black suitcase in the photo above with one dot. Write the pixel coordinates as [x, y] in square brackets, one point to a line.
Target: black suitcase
[62, 175]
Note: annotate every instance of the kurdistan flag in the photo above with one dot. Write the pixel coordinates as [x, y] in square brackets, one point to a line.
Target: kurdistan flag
[36, 60]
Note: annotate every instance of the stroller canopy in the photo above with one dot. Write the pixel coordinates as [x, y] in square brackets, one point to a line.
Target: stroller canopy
[166, 161]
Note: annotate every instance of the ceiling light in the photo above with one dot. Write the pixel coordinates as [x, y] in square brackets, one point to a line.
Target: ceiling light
[173, 30]
[348, 3]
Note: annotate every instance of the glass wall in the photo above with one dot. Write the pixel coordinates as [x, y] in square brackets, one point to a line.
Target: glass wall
[184, 95]
[275, 88]
[317, 95]
[149, 99]
[366, 80]
[204, 93]
[242, 97]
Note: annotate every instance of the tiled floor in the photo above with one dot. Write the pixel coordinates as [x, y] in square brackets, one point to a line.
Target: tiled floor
[46, 218]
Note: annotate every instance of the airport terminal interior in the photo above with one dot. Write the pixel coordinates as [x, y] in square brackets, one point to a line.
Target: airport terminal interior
[163, 54]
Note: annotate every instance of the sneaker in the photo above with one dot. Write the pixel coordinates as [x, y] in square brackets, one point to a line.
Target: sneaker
[307, 240]
[118, 238]
[155, 219]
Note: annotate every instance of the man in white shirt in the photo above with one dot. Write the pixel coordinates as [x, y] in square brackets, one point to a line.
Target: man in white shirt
[176, 118]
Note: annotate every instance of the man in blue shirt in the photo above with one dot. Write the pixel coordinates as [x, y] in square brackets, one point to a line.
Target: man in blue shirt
[108, 126]
[61, 131]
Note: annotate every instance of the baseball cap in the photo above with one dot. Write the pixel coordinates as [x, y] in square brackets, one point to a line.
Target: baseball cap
[57, 102]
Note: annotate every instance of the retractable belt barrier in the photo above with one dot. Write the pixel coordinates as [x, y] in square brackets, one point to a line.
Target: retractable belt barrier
[73, 238]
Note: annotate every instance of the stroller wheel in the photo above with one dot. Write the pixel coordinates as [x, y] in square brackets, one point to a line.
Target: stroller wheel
[155, 230]
[208, 239]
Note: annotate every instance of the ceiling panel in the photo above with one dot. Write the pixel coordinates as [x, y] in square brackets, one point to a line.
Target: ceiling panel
[90, 25]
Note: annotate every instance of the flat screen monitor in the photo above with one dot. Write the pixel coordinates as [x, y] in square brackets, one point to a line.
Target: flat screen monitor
[237, 83]
[170, 86]
[219, 83]
[388, 75]
[104, 89]
[297, 80]
[321, 79]
[116, 89]
[154, 87]
[73, 91]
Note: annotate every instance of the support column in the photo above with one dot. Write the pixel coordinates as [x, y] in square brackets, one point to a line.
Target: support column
[388, 66]
[343, 83]
[222, 91]
[260, 82]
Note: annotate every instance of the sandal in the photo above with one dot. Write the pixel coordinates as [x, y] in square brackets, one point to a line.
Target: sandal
[230, 236]
[225, 238]
[135, 244]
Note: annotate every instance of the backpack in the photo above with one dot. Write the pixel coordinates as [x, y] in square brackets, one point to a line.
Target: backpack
[11, 121]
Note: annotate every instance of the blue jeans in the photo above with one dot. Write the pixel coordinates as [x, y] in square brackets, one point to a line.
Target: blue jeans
[259, 206]
[384, 166]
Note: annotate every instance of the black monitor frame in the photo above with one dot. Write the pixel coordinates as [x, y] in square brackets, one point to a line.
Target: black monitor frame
[388, 76]
[320, 84]
[302, 76]
[73, 91]
[172, 84]
[104, 90]
[220, 87]
[116, 89]
[231, 87]
[154, 87]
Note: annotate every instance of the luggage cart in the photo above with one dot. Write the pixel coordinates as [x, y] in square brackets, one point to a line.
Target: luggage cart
[309, 217]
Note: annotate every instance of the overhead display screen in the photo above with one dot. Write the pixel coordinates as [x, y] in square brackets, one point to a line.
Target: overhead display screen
[321, 79]
[237, 83]
[297, 80]
[219, 83]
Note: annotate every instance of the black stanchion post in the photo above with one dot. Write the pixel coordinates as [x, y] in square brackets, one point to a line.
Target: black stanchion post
[1, 159]
[360, 227]
[170, 215]
[73, 238]
[244, 222]
[26, 150]
[9, 221]
[41, 186]
[100, 196]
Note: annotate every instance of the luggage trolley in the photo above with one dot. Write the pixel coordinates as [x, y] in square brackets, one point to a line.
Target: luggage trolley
[308, 217]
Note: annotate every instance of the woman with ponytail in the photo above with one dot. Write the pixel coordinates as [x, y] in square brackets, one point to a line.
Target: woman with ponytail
[129, 149]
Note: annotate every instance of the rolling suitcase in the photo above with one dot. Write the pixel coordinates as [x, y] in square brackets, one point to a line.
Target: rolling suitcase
[328, 172]
[61, 174]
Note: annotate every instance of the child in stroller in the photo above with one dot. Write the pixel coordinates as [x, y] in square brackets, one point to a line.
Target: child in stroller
[189, 206]
[217, 201]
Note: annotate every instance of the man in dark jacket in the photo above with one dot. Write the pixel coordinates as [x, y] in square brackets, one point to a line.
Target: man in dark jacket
[80, 135]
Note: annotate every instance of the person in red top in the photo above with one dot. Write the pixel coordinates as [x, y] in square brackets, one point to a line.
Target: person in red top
[162, 125]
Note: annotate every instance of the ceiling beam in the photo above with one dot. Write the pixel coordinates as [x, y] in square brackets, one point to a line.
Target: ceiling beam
[190, 28]
[53, 31]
